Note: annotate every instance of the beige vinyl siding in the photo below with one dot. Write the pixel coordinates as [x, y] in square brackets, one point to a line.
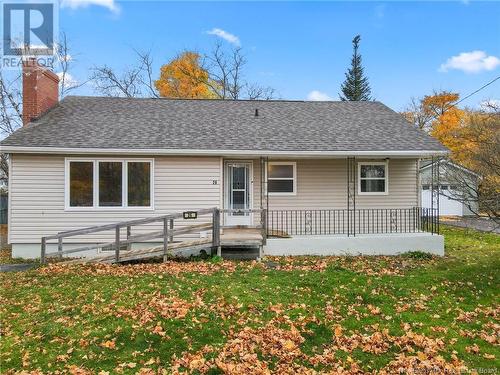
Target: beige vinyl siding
[183, 183]
[321, 184]
[37, 195]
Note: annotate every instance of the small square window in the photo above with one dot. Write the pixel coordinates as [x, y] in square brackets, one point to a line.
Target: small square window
[372, 178]
[281, 178]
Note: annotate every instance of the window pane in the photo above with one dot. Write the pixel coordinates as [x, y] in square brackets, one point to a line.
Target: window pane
[238, 200]
[139, 184]
[239, 174]
[372, 171]
[110, 184]
[280, 186]
[81, 181]
[280, 171]
[425, 187]
[372, 186]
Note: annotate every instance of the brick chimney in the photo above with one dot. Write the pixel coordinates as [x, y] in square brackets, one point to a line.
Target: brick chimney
[40, 90]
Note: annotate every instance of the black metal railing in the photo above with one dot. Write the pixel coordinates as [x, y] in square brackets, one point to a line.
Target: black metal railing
[283, 223]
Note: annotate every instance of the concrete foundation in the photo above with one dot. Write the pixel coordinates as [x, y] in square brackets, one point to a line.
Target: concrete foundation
[374, 244]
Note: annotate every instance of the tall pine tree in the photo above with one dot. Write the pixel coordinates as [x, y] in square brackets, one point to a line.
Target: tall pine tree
[355, 86]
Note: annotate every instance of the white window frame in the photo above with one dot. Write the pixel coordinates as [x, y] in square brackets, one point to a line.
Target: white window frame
[294, 177]
[95, 206]
[386, 178]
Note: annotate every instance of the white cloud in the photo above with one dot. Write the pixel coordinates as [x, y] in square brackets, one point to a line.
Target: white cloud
[231, 38]
[69, 80]
[75, 4]
[317, 96]
[471, 62]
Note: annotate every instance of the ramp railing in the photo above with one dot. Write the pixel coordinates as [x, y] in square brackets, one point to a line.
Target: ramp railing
[166, 234]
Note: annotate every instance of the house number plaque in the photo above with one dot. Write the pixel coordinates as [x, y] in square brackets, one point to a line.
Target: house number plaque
[190, 214]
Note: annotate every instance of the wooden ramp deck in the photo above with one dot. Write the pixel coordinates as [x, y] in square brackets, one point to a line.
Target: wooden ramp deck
[233, 238]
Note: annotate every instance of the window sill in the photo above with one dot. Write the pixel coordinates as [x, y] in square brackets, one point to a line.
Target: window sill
[373, 193]
[108, 209]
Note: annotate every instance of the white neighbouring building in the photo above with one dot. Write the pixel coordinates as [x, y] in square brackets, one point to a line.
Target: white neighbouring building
[455, 181]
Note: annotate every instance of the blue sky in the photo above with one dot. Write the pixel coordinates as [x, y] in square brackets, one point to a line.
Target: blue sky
[302, 49]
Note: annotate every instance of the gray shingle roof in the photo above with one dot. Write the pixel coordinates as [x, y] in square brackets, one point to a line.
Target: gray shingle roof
[126, 123]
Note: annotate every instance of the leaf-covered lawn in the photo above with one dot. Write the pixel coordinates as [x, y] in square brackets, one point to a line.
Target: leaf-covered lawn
[300, 315]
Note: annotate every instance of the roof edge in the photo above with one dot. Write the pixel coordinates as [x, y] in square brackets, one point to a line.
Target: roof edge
[198, 152]
[347, 102]
[449, 162]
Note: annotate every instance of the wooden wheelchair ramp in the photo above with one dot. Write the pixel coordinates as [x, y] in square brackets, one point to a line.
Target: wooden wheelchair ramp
[175, 239]
[147, 253]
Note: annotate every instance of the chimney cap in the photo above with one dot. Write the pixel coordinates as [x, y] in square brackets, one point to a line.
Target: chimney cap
[32, 64]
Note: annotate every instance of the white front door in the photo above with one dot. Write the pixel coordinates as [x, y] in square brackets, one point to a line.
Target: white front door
[238, 189]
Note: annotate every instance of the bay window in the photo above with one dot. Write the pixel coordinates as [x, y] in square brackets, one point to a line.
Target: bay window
[109, 183]
[372, 178]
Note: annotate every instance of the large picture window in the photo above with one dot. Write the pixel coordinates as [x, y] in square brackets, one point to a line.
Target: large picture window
[109, 183]
[281, 178]
[372, 178]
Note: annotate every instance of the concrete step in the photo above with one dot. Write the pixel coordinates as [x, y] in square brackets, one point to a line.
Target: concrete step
[241, 253]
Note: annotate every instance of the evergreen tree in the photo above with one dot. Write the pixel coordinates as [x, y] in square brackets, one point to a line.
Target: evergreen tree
[355, 86]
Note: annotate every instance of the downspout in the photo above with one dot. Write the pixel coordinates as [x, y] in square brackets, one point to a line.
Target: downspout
[267, 189]
[348, 193]
[438, 189]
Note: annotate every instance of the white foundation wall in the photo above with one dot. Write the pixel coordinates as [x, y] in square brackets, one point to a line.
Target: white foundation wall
[37, 198]
[374, 244]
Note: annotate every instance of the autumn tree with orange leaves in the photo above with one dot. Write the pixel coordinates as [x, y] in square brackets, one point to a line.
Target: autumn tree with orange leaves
[217, 74]
[184, 77]
[473, 138]
[438, 115]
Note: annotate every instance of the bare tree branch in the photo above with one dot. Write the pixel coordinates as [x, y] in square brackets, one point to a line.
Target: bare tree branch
[66, 82]
[11, 94]
[134, 81]
[418, 115]
[226, 78]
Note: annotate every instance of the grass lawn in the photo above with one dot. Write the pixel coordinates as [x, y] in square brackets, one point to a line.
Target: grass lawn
[301, 315]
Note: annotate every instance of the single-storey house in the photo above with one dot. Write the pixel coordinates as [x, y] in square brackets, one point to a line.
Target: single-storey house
[332, 177]
[457, 187]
